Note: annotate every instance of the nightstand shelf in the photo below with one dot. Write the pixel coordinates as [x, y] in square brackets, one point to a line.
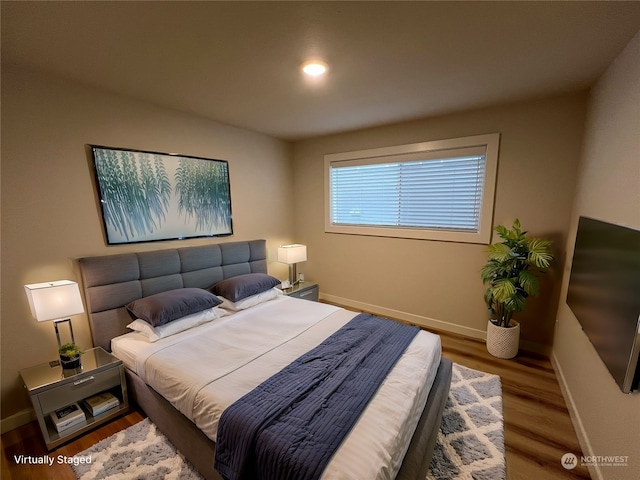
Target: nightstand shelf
[51, 388]
[304, 290]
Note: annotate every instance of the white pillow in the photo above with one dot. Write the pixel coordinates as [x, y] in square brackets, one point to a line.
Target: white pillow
[249, 302]
[154, 334]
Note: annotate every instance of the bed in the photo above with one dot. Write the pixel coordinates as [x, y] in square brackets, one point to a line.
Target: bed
[190, 414]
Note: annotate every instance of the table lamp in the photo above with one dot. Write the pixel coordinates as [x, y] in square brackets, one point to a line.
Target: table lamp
[292, 255]
[55, 301]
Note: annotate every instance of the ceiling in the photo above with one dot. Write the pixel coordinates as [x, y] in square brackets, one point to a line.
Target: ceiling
[238, 62]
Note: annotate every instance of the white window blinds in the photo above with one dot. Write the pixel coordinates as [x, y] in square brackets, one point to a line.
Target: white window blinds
[424, 190]
[436, 190]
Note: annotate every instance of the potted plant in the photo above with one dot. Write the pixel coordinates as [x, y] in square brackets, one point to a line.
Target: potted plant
[70, 356]
[511, 276]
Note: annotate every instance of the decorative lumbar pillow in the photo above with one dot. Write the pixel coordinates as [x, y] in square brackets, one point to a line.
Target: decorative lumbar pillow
[243, 286]
[171, 305]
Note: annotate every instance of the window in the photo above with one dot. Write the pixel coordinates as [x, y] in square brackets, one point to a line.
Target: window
[440, 190]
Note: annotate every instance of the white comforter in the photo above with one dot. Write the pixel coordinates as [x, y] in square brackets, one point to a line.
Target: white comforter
[205, 369]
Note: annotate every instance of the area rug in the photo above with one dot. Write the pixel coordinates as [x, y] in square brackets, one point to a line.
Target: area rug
[470, 443]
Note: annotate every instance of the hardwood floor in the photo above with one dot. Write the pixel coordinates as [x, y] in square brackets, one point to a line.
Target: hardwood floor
[27, 440]
[538, 430]
[537, 427]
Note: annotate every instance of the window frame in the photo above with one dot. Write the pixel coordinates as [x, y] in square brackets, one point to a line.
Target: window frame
[490, 142]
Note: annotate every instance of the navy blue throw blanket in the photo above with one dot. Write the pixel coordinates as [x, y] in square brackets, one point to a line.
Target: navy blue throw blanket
[289, 426]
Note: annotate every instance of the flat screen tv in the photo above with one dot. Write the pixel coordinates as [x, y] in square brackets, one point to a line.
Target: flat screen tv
[604, 295]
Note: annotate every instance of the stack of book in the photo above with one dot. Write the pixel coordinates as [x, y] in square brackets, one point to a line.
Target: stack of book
[67, 417]
[101, 403]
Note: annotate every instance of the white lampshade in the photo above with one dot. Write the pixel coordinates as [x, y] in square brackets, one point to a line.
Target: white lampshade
[54, 300]
[292, 253]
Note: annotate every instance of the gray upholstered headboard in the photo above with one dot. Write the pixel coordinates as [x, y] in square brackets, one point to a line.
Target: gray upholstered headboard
[110, 282]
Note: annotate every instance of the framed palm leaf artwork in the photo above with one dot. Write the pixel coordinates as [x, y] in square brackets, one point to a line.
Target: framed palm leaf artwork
[150, 196]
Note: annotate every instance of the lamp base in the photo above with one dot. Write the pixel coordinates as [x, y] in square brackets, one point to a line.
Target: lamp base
[293, 274]
[55, 324]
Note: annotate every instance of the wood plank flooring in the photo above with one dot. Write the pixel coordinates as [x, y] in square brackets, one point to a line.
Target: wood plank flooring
[537, 427]
[538, 430]
[27, 440]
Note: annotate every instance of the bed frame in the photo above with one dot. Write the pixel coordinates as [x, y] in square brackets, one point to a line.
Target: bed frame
[112, 281]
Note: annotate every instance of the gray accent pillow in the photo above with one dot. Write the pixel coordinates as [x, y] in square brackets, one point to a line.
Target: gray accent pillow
[243, 286]
[167, 306]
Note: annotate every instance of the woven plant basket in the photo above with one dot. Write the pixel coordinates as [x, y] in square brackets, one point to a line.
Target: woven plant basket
[503, 342]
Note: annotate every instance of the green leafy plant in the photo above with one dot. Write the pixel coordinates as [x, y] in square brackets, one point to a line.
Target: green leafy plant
[511, 271]
[70, 350]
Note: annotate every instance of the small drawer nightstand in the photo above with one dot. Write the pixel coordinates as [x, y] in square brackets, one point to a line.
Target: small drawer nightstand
[51, 388]
[304, 290]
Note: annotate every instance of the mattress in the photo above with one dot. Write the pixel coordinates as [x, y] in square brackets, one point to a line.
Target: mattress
[205, 369]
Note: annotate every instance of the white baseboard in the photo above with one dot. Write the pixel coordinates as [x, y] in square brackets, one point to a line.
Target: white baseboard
[17, 420]
[407, 317]
[583, 439]
[429, 322]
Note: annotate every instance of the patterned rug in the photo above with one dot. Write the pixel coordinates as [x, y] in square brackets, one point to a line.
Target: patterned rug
[470, 442]
[138, 452]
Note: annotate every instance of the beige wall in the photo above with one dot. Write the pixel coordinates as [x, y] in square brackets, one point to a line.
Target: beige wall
[437, 283]
[608, 189]
[49, 211]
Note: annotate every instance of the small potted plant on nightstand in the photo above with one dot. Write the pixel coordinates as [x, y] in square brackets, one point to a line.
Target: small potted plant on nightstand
[70, 356]
[511, 277]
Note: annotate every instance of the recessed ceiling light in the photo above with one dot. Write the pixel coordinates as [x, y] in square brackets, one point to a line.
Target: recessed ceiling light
[314, 68]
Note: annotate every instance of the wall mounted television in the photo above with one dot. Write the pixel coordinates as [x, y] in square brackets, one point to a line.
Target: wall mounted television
[604, 295]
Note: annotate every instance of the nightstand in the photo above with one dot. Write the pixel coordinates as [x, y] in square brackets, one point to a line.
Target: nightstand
[304, 290]
[51, 388]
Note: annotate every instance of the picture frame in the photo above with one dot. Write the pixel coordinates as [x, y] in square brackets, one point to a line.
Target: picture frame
[149, 196]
